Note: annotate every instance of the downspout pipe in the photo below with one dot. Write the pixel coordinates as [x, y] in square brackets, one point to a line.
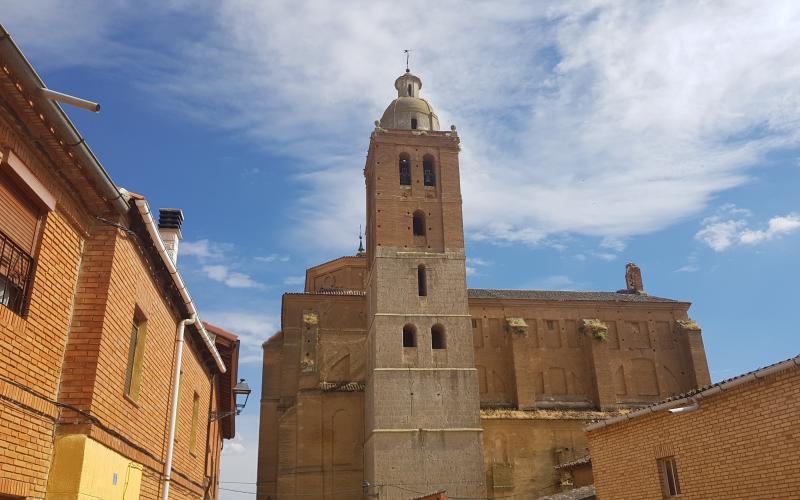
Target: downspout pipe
[152, 230]
[173, 412]
[31, 82]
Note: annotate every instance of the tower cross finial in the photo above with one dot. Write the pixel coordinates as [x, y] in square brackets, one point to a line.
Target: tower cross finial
[408, 53]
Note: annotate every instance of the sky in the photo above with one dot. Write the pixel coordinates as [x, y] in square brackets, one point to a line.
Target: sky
[594, 133]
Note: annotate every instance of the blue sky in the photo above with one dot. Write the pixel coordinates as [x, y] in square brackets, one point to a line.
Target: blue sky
[593, 134]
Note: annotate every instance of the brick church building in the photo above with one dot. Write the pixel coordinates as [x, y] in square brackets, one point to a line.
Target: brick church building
[391, 379]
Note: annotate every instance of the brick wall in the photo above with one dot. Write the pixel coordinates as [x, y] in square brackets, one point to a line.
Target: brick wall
[73, 343]
[31, 349]
[742, 443]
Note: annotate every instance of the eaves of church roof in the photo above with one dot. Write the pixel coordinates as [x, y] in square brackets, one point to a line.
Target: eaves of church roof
[564, 296]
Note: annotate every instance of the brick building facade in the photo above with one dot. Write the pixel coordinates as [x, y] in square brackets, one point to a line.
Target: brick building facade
[739, 438]
[89, 310]
[390, 378]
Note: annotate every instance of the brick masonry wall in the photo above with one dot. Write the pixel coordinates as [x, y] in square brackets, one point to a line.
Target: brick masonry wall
[31, 349]
[743, 443]
[88, 279]
[115, 282]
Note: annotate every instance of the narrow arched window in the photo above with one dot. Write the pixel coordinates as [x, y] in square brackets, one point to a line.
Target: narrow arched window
[422, 281]
[428, 174]
[418, 223]
[409, 336]
[413, 124]
[405, 170]
[438, 340]
[410, 92]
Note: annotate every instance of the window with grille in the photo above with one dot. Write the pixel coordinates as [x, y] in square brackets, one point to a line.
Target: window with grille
[405, 170]
[428, 174]
[669, 477]
[19, 227]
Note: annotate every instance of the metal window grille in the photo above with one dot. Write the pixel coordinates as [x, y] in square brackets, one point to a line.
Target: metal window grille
[669, 477]
[405, 172]
[16, 275]
[428, 175]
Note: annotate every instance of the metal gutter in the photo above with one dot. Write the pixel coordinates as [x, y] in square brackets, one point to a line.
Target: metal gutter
[29, 79]
[712, 390]
[147, 217]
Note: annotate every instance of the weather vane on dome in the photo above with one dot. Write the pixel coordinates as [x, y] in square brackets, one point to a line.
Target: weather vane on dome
[408, 52]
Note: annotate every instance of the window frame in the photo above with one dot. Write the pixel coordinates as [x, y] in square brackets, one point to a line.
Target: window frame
[195, 423]
[668, 476]
[428, 171]
[136, 347]
[404, 169]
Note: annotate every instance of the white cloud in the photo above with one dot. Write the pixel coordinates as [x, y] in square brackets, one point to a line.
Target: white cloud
[252, 328]
[232, 279]
[615, 244]
[691, 265]
[608, 257]
[720, 235]
[777, 226]
[722, 230]
[203, 249]
[473, 263]
[608, 119]
[294, 280]
[273, 257]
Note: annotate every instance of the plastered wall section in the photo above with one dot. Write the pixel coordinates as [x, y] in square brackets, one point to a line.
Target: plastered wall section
[742, 443]
[520, 451]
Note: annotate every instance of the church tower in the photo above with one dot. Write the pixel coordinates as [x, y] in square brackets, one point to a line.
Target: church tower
[422, 411]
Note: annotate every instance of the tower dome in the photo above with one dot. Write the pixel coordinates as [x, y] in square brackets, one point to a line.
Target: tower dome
[409, 111]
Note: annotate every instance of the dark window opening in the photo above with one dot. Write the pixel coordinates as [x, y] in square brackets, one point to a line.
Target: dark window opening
[405, 170]
[474, 323]
[16, 275]
[409, 336]
[437, 337]
[414, 124]
[669, 477]
[429, 176]
[410, 92]
[422, 282]
[419, 224]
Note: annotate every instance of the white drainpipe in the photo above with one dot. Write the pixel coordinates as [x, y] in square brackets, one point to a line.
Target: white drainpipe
[173, 412]
[152, 229]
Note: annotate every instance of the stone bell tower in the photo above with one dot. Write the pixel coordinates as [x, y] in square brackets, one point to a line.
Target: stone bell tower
[422, 412]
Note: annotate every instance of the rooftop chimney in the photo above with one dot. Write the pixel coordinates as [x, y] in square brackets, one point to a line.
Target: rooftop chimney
[633, 278]
[169, 227]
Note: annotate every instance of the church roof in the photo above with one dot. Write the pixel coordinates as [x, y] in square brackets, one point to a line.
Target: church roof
[563, 296]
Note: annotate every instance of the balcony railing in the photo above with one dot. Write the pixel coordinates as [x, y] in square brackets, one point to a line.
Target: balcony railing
[16, 273]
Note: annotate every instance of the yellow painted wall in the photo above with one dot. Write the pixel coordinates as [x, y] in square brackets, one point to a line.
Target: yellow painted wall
[84, 469]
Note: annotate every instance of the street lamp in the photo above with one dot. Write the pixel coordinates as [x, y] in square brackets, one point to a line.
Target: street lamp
[239, 390]
[241, 393]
